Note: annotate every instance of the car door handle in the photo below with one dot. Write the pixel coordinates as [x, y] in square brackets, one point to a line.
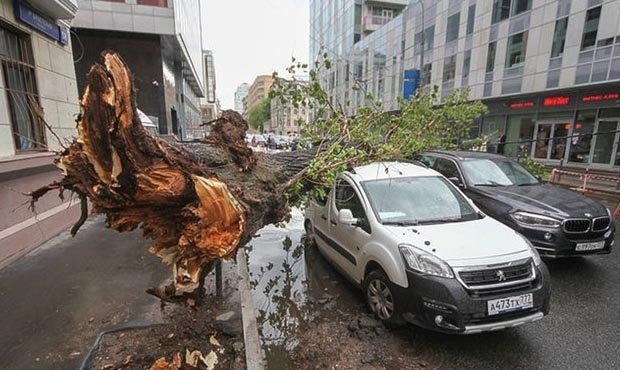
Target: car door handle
[334, 223]
[324, 217]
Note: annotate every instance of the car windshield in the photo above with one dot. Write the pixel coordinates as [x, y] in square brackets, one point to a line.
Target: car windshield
[500, 172]
[417, 200]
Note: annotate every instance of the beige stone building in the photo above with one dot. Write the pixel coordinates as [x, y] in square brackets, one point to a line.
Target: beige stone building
[287, 119]
[258, 91]
[37, 84]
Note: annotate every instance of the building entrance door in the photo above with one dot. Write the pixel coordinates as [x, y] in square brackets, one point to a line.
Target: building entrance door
[606, 141]
[550, 140]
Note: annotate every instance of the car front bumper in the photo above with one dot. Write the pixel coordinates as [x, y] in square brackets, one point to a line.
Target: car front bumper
[445, 305]
[560, 244]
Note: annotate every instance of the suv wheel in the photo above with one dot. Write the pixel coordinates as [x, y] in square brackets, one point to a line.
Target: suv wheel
[309, 239]
[381, 299]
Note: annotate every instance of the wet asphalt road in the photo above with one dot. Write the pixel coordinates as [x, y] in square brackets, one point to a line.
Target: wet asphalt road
[55, 301]
[582, 330]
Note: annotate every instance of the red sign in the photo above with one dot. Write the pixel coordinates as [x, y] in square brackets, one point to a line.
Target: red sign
[555, 101]
[522, 104]
[600, 97]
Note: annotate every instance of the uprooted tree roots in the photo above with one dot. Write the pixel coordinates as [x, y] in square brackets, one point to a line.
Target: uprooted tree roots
[197, 201]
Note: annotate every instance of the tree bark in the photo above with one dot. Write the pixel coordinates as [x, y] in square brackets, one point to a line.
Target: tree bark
[197, 201]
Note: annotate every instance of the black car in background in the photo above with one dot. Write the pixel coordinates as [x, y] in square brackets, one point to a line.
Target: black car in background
[557, 221]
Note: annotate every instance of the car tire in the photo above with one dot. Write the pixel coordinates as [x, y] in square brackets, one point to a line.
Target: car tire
[309, 238]
[381, 298]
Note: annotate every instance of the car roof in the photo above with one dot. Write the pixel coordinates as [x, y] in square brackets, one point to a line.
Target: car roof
[391, 170]
[461, 154]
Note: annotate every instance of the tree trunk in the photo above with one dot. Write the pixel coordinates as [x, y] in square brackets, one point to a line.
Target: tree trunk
[197, 201]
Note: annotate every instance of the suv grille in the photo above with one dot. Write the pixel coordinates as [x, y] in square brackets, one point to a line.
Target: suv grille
[600, 223]
[493, 276]
[577, 225]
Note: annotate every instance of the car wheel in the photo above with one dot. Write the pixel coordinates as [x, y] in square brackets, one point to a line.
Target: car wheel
[381, 298]
[309, 238]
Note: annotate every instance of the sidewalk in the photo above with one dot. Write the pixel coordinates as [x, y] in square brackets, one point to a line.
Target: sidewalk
[56, 300]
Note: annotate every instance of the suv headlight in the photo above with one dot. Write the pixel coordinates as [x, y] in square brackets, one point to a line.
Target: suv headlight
[533, 219]
[424, 262]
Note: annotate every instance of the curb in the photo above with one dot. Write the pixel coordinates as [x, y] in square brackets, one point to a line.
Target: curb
[253, 352]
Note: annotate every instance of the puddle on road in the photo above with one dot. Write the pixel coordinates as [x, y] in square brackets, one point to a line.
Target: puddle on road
[292, 285]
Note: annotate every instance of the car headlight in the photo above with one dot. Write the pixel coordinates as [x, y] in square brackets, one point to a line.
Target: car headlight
[424, 262]
[533, 219]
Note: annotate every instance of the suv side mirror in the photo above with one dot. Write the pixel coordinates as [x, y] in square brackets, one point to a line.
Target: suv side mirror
[345, 216]
[456, 181]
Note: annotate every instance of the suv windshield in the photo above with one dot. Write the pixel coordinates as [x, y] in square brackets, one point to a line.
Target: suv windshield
[417, 200]
[496, 172]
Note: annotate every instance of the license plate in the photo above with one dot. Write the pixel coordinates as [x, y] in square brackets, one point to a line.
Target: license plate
[589, 246]
[509, 304]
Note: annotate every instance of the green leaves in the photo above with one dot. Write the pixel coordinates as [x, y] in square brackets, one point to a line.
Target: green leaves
[373, 134]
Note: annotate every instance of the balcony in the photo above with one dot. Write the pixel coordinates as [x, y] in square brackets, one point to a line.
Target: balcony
[57, 9]
[374, 22]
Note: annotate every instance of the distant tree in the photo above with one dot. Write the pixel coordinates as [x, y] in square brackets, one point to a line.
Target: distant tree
[260, 114]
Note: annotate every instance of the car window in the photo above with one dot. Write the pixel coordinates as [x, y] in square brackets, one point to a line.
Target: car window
[447, 168]
[428, 160]
[503, 172]
[346, 198]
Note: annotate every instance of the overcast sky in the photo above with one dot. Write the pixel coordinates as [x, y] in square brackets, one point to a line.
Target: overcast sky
[253, 37]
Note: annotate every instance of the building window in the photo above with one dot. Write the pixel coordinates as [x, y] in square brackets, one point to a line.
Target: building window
[20, 85]
[590, 28]
[426, 74]
[515, 51]
[466, 63]
[501, 10]
[520, 6]
[429, 36]
[581, 140]
[449, 68]
[559, 37]
[452, 30]
[471, 16]
[162, 3]
[491, 57]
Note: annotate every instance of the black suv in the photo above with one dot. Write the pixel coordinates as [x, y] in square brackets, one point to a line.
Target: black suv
[558, 222]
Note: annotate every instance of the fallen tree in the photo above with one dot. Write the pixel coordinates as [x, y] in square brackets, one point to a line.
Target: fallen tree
[199, 201]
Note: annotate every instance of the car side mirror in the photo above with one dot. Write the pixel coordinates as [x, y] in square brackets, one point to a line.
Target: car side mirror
[345, 217]
[456, 181]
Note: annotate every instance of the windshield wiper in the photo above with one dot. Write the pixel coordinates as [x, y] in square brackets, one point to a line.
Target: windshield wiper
[490, 183]
[529, 184]
[401, 223]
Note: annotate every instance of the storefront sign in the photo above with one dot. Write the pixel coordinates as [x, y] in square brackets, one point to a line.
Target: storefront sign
[555, 101]
[600, 97]
[40, 23]
[521, 104]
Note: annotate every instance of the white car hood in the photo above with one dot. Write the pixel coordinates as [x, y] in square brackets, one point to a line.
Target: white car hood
[469, 243]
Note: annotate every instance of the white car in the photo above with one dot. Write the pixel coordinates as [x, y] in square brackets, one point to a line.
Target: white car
[424, 253]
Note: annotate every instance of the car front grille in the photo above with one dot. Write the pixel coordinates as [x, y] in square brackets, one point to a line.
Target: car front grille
[577, 225]
[600, 223]
[494, 278]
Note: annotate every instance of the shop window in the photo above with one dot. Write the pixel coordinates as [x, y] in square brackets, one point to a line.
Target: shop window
[20, 85]
[519, 132]
[471, 17]
[581, 139]
[491, 57]
[501, 10]
[520, 6]
[515, 51]
[590, 28]
[449, 68]
[559, 37]
[452, 30]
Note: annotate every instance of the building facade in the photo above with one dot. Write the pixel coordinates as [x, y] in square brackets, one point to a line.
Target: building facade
[258, 91]
[161, 41]
[549, 70]
[240, 94]
[287, 119]
[37, 87]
